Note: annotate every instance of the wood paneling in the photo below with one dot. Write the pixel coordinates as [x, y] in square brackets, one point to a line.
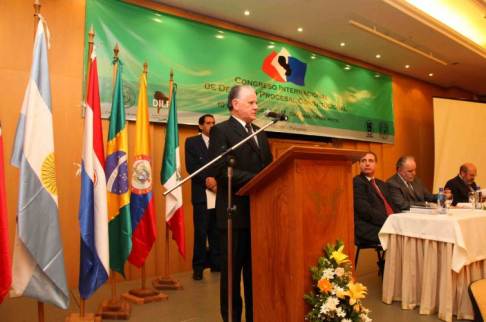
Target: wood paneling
[412, 101]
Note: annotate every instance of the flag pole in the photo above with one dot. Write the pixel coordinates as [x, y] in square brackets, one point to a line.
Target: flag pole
[144, 295]
[90, 50]
[113, 309]
[82, 315]
[115, 68]
[37, 7]
[167, 282]
[167, 240]
[113, 273]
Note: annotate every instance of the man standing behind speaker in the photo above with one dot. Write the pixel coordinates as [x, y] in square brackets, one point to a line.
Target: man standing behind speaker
[251, 158]
[197, 156]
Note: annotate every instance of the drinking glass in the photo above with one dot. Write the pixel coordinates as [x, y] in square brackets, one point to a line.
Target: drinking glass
[448, 200]
[472, 199]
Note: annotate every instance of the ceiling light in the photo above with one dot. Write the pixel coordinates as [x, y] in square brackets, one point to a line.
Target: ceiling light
[399, 43]
[431, 74]
[300, 30]
[378, 56]
[343, 44]
[247, 13]
[407, 66]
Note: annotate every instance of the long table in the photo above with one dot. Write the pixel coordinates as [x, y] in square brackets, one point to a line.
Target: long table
[432, 259]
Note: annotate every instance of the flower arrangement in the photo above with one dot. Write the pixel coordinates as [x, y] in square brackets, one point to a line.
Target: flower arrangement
[336, 295]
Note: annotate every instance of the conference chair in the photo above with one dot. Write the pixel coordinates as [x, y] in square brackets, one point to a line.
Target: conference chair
[477, 292]
[380, 253]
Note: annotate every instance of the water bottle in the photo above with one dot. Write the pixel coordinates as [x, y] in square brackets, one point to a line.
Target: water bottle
[479, 199]
[441, 198]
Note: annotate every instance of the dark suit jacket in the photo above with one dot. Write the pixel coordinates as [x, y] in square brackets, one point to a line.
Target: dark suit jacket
[403, 198]
[250, 160]
[369, 209]
[459, 190]
[197, 155]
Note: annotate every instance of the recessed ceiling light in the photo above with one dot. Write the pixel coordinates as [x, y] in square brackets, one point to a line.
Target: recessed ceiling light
[220, 36]
[407, 66]
[300, 29]
[247, 13]
[343, 44]
[431, 74]
[378, 56]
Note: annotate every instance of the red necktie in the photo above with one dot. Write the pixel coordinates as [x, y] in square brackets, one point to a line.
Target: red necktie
[389, 209]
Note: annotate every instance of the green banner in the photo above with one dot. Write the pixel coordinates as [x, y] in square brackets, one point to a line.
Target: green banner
[320, 95]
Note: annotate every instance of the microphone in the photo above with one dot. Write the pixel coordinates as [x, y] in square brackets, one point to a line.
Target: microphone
[277, 116]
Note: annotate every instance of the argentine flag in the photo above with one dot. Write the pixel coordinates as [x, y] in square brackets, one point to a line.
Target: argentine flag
[38, 261]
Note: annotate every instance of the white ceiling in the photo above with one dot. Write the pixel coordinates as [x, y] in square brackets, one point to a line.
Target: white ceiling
[326, 25]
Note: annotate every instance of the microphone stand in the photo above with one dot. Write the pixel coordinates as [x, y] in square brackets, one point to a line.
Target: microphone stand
[231, 162]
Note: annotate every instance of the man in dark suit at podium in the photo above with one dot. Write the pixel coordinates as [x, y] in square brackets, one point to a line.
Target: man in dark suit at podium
[197, 156]
[405, 188]
[372, 203]
[251, 158]
[461, 185]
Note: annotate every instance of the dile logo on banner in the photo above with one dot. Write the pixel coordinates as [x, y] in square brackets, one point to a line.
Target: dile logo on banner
[284, 68]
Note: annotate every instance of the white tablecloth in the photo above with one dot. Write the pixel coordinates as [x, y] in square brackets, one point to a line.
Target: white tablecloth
[432, 259]
[465, 229]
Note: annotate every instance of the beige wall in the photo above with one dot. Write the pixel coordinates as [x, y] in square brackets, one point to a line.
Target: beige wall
[412, 108]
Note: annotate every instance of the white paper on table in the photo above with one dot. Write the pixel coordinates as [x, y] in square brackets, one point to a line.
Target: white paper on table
[211, 199]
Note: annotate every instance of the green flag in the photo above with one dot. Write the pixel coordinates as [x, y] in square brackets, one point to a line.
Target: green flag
[117, 184]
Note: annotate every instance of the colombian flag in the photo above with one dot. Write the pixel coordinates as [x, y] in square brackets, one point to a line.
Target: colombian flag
[119, 224]
[141, 201]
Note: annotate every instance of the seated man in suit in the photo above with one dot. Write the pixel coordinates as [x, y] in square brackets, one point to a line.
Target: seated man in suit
[461, 185]
[405, 188]
[372, 203]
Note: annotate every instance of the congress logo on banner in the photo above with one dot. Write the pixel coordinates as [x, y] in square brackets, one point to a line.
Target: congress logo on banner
[284, 68]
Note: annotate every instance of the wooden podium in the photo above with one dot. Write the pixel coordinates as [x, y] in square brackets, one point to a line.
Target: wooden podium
[299, 203]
